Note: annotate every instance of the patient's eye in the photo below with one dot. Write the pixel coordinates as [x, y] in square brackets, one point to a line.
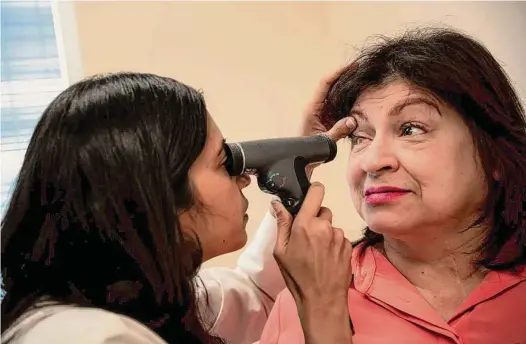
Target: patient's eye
[412, 129]
[358, 139]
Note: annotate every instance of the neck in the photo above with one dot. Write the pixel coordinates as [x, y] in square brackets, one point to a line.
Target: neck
[449, 255]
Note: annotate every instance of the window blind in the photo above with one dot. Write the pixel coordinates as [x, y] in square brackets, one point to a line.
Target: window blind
[30, 78]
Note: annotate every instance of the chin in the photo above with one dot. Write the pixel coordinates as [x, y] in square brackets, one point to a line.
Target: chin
[237, 240]
[390, 224]
[243, 239]
[232, 244]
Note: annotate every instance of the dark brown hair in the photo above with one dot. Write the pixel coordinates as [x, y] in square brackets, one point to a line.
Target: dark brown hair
[93, 220]
[462, 73]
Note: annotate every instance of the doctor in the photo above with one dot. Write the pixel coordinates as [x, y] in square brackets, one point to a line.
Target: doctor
[122, 195]
[240, 299]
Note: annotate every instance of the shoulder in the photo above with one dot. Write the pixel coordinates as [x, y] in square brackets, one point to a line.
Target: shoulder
[80, 325]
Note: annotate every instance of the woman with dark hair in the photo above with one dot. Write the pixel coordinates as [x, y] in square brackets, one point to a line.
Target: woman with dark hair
[123, 193]
[437, 170]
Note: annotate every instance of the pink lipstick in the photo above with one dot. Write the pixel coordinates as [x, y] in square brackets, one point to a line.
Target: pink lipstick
[383, 194]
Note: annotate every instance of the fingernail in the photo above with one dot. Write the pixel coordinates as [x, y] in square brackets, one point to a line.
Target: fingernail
[349, 123]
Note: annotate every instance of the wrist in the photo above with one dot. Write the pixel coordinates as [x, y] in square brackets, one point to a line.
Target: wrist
[329, 309]
[326, 325]
[325, 311]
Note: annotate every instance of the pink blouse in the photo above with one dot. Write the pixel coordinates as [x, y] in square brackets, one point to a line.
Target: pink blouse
[386, 308]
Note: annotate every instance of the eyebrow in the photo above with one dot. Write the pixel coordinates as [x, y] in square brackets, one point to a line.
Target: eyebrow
[400, 106]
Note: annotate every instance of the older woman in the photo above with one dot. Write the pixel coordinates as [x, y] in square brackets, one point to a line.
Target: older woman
[437, 170]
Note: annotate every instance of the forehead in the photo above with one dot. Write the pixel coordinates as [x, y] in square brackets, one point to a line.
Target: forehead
[214, 132]
[214, 140]
[390, 95]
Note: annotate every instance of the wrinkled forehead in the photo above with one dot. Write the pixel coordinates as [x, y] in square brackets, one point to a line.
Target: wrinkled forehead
[391, 98]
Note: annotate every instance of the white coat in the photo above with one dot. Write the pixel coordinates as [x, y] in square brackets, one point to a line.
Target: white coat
[239, 302]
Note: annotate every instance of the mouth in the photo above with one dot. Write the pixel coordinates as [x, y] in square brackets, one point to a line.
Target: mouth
[383, 194]
[383, 189]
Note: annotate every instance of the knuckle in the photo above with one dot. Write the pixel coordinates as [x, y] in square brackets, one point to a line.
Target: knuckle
[319, 227]
[339, 235]
[326, 210]
[300, 223]
[325, 224]
[339, 232]
[324, 228]
[325, 213]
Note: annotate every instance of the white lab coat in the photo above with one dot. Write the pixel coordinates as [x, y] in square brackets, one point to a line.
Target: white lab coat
[240, 299]
[239, 302]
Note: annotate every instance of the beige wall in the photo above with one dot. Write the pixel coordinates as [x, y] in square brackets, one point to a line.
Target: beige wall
[258, 63]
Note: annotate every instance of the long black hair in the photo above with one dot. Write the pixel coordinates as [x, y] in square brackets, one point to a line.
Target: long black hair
[462, 73]
[93, 219]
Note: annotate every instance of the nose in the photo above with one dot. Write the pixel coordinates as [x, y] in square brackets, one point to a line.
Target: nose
[243, 181]
[379, 158]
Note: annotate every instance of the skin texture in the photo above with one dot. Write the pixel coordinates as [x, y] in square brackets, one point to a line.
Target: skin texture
[219, 219]
[407, 139]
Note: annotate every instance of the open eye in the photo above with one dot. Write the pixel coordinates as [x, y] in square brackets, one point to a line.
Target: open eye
[411, 129]
[357, 140]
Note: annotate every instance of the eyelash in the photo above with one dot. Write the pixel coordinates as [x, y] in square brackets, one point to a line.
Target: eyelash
[403, 127]
[412, 125]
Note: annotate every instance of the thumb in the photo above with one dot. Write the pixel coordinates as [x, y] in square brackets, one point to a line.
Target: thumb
[342, 128]
[284, 223]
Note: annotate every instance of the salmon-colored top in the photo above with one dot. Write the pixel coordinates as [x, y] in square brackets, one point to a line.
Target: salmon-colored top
[385, 308]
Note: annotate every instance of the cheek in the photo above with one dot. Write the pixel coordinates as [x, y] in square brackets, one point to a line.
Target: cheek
[432, 165]
[355, 180]
[448, 174]
[214, 188]
[355, 175]
[220, 193]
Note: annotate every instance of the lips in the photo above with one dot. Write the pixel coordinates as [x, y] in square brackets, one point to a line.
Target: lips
[383, 189]
[383, 194]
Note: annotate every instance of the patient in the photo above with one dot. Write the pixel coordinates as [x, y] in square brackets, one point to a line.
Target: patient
[437, 170]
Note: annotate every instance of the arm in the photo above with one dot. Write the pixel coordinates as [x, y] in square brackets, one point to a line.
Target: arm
[317, 325]
[327, 324]
[236, 302]
[315, 259]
